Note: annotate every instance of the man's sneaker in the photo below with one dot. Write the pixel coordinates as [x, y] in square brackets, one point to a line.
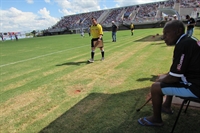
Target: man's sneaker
[91, 60]
[102, 58]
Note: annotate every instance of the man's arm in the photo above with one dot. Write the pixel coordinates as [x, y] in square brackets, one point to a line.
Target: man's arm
[116, 26]
[193, 23]
[168, 79]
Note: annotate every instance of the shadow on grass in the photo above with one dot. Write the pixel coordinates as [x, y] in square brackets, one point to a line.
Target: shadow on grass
[115, 113]
[150, 38]
[158, 43]
[153, 78]
[73, 63]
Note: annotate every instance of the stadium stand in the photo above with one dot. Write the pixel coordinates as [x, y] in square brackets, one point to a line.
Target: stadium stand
[114, 15]
[143, 16]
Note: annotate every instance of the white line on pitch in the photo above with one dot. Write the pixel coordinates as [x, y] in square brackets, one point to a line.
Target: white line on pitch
[39, 56]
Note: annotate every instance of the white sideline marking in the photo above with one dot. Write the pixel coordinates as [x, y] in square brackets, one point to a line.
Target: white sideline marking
[38, 57]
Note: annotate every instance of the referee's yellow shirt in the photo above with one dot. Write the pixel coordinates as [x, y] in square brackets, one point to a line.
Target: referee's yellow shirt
[96, 30]
[132, 26]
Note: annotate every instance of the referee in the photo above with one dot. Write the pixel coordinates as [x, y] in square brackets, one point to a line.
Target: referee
[97, 34]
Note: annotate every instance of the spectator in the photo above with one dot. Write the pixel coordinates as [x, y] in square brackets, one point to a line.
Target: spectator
[10, 35]
[16, 37]
[184, 76]
[1, 35]
[190, 25]
[114, 31]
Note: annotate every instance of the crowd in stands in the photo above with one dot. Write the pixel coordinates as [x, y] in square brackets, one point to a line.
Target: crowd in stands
[87, 20]
[147, 10]
[113, 16]
[74, 21]
[146, 13]
[137, 13]
[128, 12]
[190, 3]
[64, 23]
[169, 4]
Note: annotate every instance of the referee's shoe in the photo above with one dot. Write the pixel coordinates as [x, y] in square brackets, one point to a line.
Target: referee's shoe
[91, 60]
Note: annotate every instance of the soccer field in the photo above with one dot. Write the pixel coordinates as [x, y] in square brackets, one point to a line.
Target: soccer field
[47, 85]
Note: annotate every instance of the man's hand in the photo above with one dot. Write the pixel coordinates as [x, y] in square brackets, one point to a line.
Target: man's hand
[96, 44]
[166, 78]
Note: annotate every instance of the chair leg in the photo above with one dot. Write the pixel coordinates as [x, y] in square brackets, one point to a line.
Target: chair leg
[187, 106]
[184, 101]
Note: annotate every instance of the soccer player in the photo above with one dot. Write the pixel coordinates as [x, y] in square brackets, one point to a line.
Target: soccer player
[132, 28]
[96, 31]
[183, 77]
[82, 32]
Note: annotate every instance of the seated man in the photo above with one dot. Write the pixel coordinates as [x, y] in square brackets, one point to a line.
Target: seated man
[183, 79]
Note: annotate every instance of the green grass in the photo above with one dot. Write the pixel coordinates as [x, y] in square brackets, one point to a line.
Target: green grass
[47, 85]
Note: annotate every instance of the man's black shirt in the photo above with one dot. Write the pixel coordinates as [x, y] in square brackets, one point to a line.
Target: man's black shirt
[190, 21]
[186, 63]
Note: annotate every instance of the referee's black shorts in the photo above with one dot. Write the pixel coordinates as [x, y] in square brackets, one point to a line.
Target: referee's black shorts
[132, 29]
[94, 39]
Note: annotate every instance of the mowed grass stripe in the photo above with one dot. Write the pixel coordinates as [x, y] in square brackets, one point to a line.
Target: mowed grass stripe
[42, 73]
[115, 58]
[39, 65]
[65, 88]
[23, 78]
[41, 102]
[123, 42]
[130, 68]
[92, 73]
[137, 73]
[43, 46]
[90, 121]
[41, 56]
[34, 64]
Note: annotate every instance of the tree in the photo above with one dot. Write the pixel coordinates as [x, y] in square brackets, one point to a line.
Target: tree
[34, 32]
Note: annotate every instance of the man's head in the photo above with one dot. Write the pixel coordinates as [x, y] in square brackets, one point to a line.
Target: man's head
[94, 21]
[172, 32]
[187, 17]
[113, 22]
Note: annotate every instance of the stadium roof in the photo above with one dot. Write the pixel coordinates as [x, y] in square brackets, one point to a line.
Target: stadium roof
[169, 11]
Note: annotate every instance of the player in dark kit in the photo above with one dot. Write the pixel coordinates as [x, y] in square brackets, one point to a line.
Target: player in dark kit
[183, 79]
